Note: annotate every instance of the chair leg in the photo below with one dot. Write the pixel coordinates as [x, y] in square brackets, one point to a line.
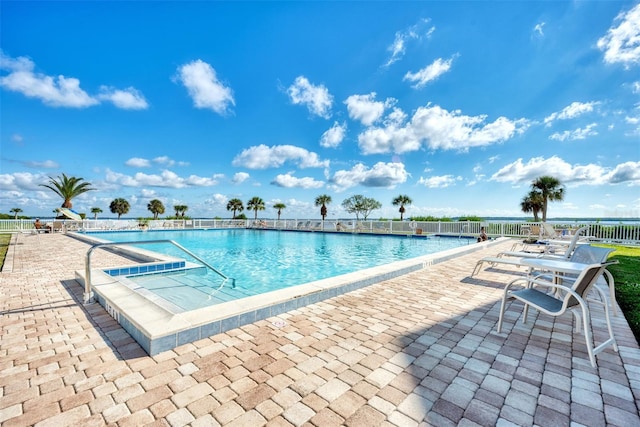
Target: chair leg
[525, 313]
[502, 308]
[612, 291]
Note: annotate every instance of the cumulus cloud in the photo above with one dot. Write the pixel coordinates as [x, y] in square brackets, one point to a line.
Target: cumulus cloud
[61, 91]
[519, 172]
[334, 135]
[289, 181]
[628, 172]
[127, 99]
[204, 87]
[365, 109]
[317, 99]
[429, 73]
[263, 157]
[538, 29]
[621, 44]
[580, 133]
[443, 181]
[240, 177]
[571, 112]
[438, 128]
[385, 175]
[137, 162]
[21, 181]
[164, 161]
[166, 179]
[417, 32]
[217, 199]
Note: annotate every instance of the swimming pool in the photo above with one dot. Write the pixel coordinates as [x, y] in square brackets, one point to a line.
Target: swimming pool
[262, 261]
[159, 324]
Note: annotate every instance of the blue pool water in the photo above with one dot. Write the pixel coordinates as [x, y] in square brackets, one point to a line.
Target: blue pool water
[265, 260]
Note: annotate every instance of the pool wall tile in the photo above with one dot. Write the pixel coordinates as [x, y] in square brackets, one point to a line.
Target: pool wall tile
[229, 323]
[263, 313]
[190, 335]
[165, 343]
[247, 318]
[210, 329]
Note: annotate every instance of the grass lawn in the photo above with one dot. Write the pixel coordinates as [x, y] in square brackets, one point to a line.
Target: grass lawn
[626, 275]
[4, 246]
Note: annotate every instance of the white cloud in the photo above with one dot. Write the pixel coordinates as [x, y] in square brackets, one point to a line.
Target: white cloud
[263, 157]
[334, 136]
[317, 98]
[438, 128]
[217, 200]
[622, 43]
[57, 92]
[415, 32]
[166, 179]
[580, 133]
[571, 112]
[290, 181]
[47, 164]
[137, 162]
[21, 181]
[127, 99]
[519, 172]
[628, 172]
[240, 177]
[429, 73]
[443, 181]
[635, 87]
[205, 89]
[61, 91]
[364, 109]
[538, 28]
[386, 175]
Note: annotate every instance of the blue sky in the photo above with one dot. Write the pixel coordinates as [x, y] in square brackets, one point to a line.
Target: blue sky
[459, 105]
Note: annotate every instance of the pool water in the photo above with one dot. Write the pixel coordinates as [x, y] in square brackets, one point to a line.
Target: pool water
[265, 260]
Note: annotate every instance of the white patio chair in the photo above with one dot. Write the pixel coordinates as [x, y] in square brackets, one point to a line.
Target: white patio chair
[560, 298]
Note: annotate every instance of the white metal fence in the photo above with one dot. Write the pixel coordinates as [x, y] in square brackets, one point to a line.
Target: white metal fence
[627, 233]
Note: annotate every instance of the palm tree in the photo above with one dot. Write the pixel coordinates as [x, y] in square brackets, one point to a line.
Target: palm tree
[279, 206]
[155, 207]
[68, 188]
[323, 200]
[15, 211]
[532, 202]
[119, 206]
[551, 189]
[95, 212]
[180, 209]
[255, 204]
[402, 200]
[235, 205]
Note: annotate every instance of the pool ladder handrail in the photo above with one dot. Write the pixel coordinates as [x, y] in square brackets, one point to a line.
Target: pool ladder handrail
[88, 294]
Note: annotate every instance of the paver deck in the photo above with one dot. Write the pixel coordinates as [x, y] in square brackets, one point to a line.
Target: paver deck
[417, 350]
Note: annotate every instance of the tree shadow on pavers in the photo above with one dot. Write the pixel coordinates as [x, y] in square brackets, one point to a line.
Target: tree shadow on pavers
[461, 370]
[115, 336]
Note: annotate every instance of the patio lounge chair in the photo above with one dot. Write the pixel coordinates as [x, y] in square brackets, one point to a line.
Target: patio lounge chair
[551, 246]
[562, 298]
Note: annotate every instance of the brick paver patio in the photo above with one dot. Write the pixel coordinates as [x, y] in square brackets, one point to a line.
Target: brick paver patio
[420, 349]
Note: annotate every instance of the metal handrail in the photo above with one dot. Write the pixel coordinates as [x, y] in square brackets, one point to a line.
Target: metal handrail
[88, 295]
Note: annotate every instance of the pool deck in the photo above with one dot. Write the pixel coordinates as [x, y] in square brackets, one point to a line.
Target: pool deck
[420, 349]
